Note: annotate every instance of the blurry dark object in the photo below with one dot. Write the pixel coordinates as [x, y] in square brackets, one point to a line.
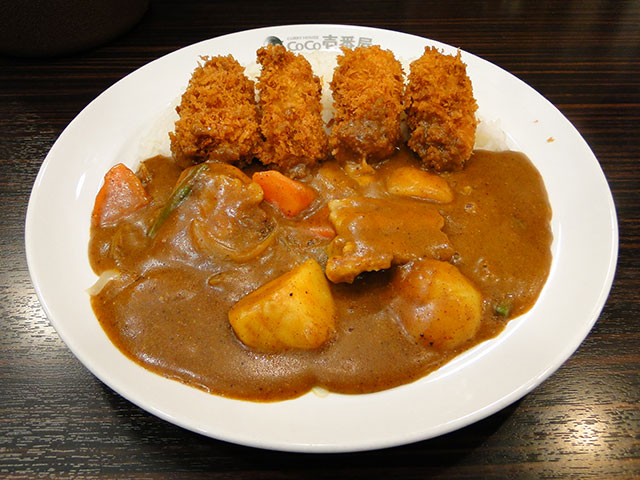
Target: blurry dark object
[55, 27]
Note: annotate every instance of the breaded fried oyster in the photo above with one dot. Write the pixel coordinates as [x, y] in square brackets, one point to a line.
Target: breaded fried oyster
[218, 116]
[441, 110]
[367, 95]
[291, 110]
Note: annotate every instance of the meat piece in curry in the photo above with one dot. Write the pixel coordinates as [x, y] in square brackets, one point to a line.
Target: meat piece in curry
[375, 233]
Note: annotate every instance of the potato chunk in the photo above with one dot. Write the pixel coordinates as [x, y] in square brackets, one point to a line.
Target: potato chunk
[436, 304]
[293, 311]
[413, 182]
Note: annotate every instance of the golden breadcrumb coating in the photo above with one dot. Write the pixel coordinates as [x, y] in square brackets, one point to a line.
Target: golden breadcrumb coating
[367, 89]
[441, 110]
[218, 115]
[291, 110]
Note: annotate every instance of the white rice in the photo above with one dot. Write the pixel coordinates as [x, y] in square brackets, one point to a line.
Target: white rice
[490, 135]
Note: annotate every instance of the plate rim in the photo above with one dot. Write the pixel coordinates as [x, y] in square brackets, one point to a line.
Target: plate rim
[478, 414]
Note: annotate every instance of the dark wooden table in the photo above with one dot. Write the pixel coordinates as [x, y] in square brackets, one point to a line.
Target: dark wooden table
[57, 420]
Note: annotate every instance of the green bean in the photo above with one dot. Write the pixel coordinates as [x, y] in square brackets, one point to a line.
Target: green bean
[503, 309]
[182, 191]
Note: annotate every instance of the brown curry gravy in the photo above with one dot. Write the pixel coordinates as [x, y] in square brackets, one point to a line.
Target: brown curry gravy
[168, 309]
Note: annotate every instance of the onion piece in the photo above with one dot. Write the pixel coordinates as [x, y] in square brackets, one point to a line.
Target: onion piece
[320, 392]
[213, 246]
[103, 279]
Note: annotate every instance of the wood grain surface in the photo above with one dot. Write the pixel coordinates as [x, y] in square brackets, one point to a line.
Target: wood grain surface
[58, 421]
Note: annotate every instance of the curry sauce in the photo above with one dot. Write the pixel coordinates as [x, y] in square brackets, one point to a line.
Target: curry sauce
[167, 307]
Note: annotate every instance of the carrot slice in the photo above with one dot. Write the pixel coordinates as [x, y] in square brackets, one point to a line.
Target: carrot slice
[319, 224]
[289, 196]
[325, 231]
[121, 194]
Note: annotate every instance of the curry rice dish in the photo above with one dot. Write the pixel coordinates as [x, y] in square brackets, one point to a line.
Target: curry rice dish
[266, 258]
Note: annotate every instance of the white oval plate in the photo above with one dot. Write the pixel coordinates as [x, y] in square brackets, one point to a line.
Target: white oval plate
[121, 125]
